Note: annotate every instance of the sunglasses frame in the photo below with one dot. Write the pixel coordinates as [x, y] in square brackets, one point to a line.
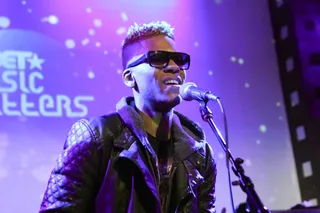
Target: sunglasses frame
[145, 59]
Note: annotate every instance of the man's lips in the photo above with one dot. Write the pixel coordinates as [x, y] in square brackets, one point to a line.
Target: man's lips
[172, 81]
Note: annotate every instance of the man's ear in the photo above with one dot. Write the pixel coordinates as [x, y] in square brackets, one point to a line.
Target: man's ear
[128, 78]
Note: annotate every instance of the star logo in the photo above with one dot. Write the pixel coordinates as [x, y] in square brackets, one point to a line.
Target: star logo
[35, 62]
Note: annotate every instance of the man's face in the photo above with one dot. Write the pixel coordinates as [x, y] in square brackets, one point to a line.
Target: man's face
[152, 85]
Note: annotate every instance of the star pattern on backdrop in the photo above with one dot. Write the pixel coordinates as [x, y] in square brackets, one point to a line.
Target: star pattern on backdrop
[35, 62]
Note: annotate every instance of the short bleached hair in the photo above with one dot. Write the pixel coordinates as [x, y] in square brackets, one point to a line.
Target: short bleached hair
[138, 33]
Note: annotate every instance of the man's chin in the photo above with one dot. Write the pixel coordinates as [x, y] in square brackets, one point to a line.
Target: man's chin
[169, 102]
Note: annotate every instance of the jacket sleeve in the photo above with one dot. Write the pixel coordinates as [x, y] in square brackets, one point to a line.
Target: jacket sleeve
[206, 197]
[72, 185]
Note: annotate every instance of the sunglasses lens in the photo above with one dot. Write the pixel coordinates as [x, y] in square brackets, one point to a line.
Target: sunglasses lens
[181, 59]
[158, 59]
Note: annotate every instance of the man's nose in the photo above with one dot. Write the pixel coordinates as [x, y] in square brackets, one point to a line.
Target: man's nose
[172, 67]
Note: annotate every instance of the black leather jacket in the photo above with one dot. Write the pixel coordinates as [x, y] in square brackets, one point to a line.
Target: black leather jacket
[108, 166]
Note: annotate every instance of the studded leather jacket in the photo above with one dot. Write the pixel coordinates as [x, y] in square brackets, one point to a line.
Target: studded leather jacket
[108, 166]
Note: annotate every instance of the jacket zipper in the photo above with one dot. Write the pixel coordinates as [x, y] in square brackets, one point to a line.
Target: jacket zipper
[170, 188]
[154, 161]
[185, 195]
[187, 192]
[156, 170]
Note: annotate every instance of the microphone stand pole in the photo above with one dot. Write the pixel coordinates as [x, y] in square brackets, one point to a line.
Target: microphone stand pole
[244, 181]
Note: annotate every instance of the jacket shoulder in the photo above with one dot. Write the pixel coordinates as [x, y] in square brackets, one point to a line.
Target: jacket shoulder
[79, 167]
[103, 127]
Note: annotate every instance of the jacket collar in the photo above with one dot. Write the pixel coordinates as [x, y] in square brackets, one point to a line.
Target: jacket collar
[185, 133]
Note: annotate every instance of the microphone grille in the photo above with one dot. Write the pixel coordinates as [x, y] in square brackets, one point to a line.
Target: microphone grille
[183, 91]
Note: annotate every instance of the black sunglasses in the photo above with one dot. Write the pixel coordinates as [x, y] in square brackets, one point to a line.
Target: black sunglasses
[160, 59]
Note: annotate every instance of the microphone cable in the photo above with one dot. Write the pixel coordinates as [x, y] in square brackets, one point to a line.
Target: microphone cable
[226, 135]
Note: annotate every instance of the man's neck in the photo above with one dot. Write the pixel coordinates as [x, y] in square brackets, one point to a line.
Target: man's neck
[157, 124]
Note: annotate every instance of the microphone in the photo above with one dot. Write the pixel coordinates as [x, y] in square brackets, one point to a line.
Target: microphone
[189, 91]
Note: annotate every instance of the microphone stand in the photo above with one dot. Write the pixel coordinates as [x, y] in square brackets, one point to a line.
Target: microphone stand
[244, 181]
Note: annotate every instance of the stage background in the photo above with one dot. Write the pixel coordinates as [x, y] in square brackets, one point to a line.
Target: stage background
[59, 61]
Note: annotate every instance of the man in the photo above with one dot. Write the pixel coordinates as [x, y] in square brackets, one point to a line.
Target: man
[146, 157]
